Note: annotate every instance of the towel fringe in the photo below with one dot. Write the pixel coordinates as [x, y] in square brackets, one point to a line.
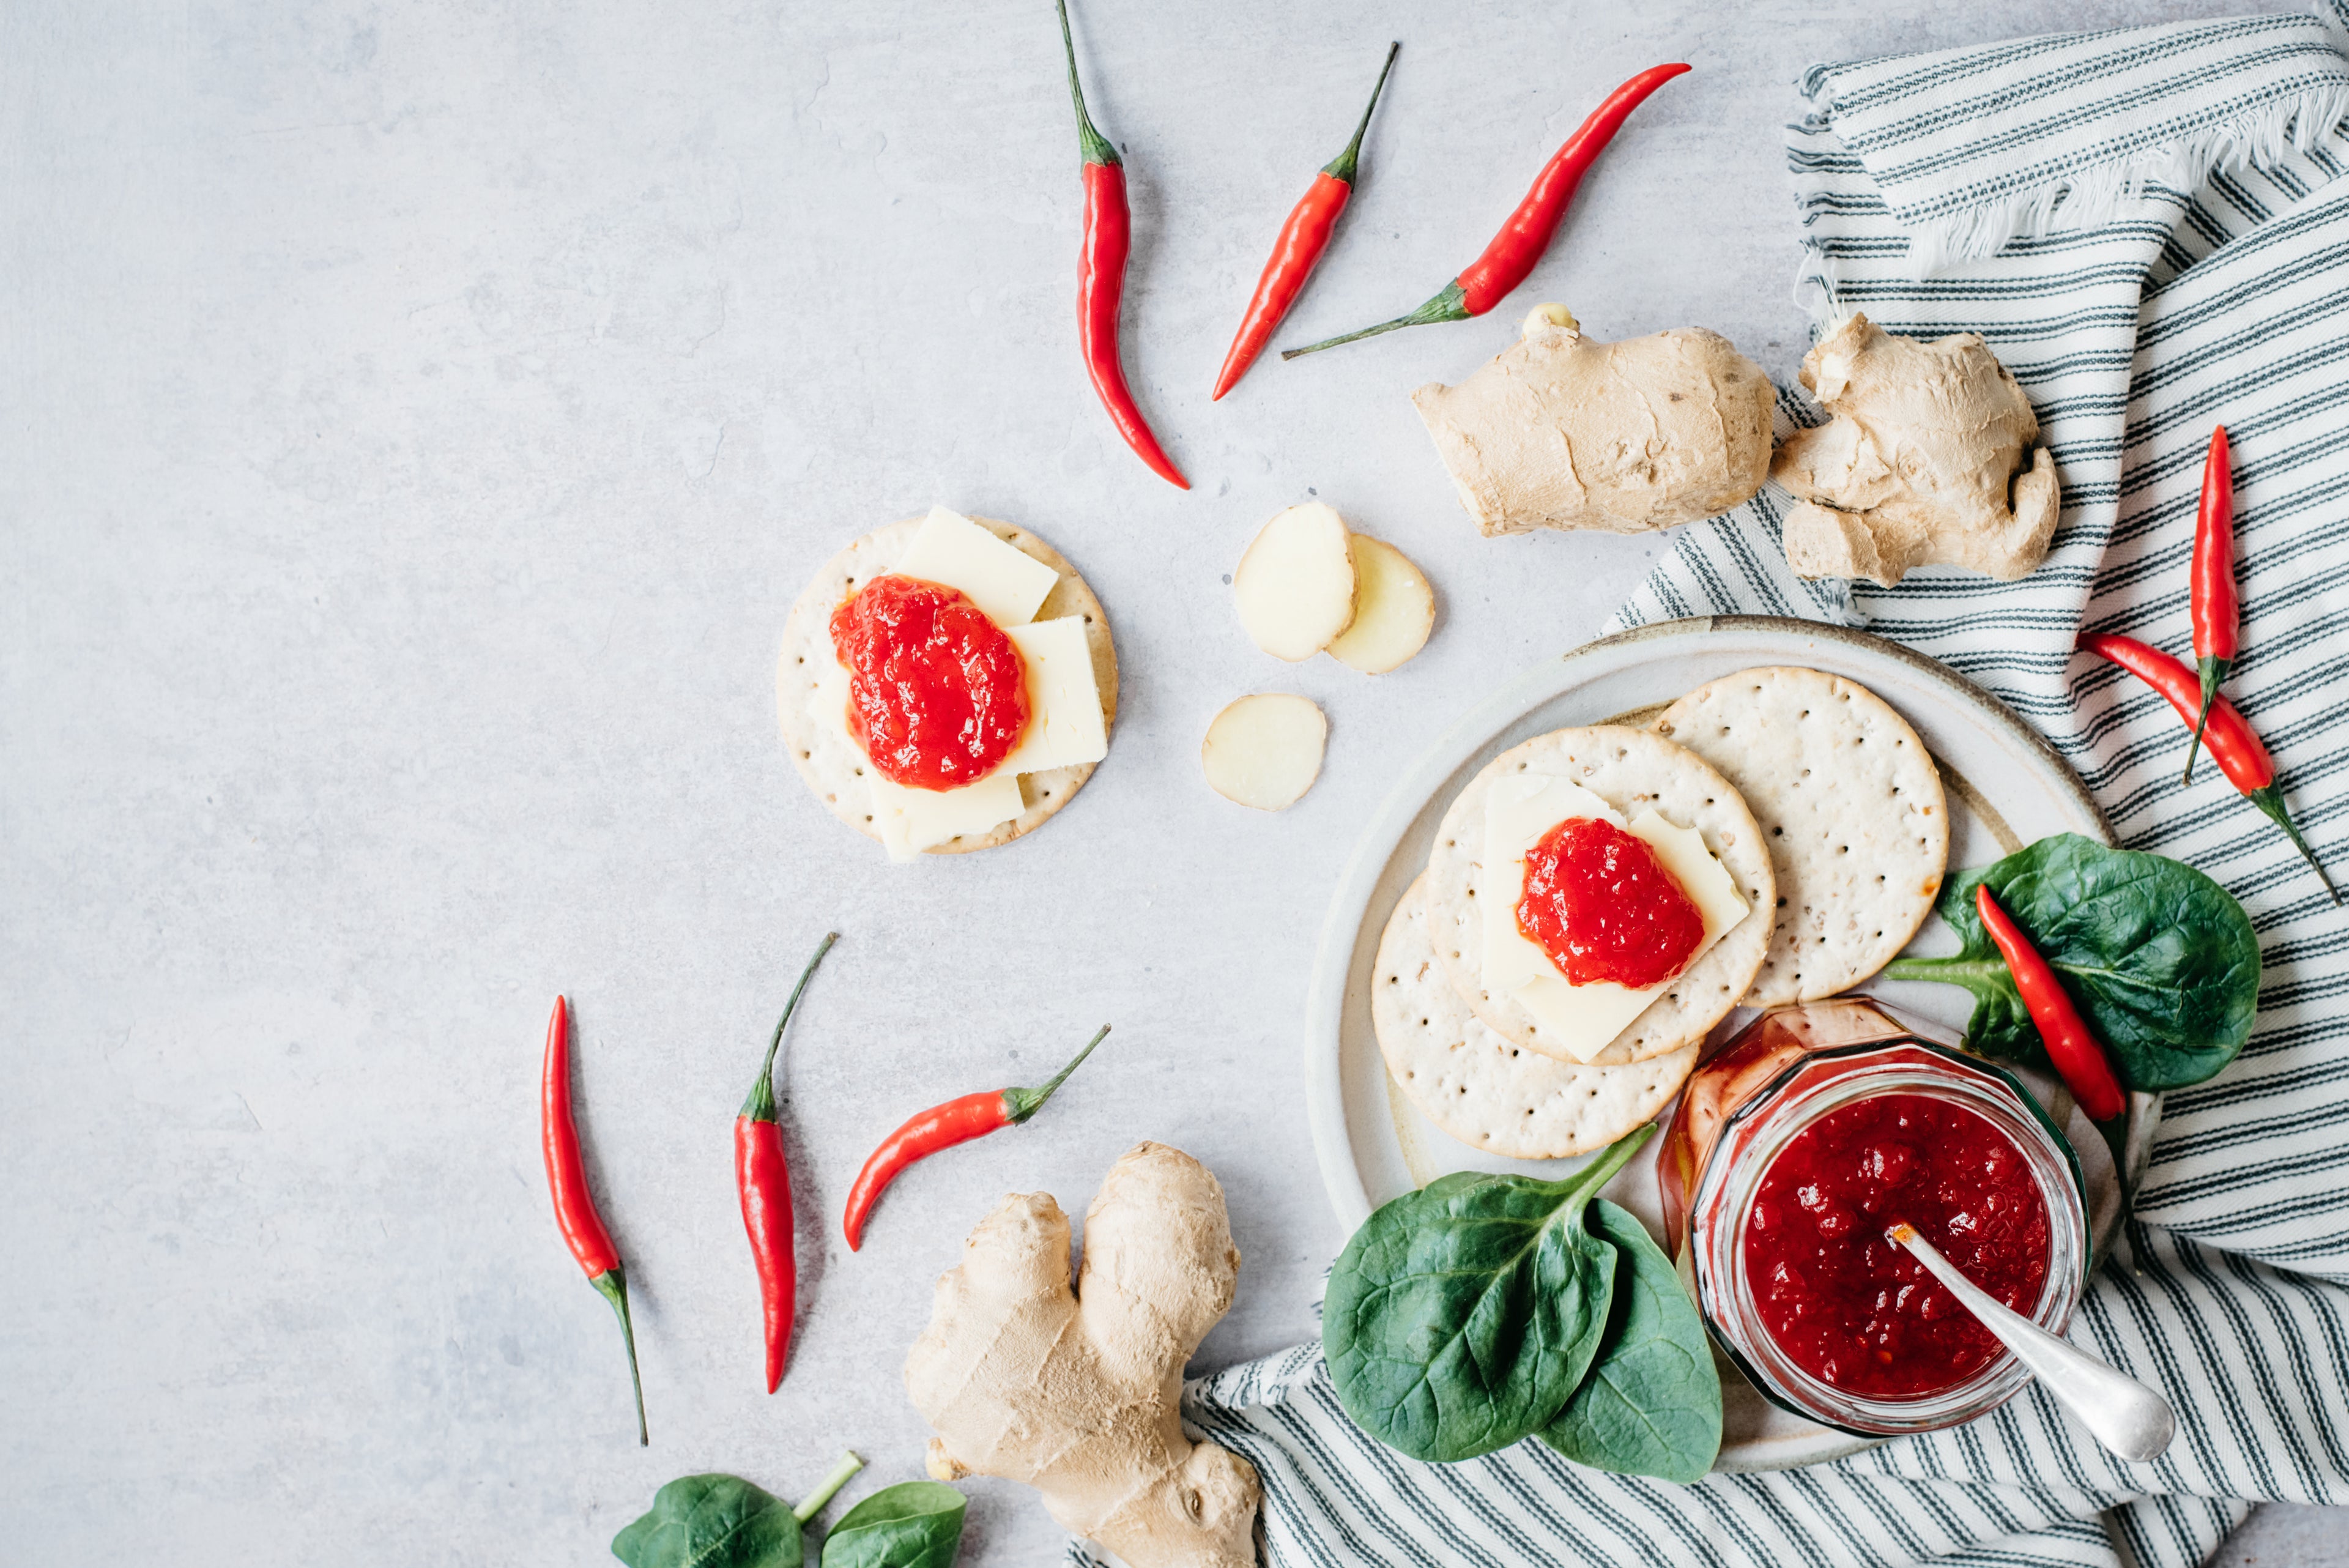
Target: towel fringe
[2090, 198]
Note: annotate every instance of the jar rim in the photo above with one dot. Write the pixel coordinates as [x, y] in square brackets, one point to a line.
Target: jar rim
[1753, 1136]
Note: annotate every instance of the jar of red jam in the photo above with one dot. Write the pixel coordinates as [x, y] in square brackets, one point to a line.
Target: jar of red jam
[1798, 1145]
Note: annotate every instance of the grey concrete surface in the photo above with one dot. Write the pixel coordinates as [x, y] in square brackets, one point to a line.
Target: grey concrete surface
[416, 420]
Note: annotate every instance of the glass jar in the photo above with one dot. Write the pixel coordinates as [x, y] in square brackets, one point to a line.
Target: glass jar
[1745, 1106]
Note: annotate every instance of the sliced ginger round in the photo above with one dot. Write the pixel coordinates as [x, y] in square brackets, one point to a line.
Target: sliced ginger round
[1265, 751]
[1296, 584]
[1395, 610]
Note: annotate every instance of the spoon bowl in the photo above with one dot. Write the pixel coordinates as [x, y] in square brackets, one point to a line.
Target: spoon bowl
[2122, 1414]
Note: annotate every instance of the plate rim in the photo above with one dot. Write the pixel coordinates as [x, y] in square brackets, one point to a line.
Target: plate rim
[1333, 955]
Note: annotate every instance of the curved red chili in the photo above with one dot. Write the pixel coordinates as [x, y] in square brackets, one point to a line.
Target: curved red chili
[764, 1180]
[1488, 280]
[943, 1127]
[575, 1206]
[1302, 240]
[2234, 745]
[2071, 1045]
[1101, 278]
[2216, 615]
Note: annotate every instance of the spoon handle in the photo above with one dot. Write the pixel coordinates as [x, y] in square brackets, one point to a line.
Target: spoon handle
[2122, 1414]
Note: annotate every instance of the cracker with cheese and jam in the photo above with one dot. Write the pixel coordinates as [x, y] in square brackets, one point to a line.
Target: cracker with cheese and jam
[1652, 836]
[946, 683]
[1597, 899]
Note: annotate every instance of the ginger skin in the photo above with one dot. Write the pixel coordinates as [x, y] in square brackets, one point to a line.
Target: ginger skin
[1563, 432]
[1916, 467]
[1079, 1392]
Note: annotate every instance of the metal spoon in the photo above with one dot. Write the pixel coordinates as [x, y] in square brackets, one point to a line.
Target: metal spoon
[2119, 1412]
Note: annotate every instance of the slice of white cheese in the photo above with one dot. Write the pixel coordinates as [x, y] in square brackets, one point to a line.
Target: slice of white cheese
[1064, 710]
[1007, 584]
[912, 820]
[1520, 810]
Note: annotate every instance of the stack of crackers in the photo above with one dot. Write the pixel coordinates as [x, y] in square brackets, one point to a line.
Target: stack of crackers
[1816, 797]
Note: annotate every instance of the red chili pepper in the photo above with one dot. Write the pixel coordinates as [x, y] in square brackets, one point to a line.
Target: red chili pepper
[2216, 617]
[1513, 251]
[943, 1127]
[2075, 1049]
[1101, 278]
[1302, 240]
[2234, 745]
[765, 1182]
[575, 1206]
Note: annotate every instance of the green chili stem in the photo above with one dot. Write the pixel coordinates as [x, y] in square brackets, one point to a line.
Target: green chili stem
[760, 1104]
[848, 1466]
[1021, 1103]
[1451, 304]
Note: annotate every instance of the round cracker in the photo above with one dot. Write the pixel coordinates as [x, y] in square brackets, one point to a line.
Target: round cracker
[1479, 1088]
[1851, 806]
[834, 766]
[1631, 770]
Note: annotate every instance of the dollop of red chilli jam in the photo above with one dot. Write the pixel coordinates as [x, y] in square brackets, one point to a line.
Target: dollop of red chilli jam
[936, 693]
[1854, 1309]
[1600, 904]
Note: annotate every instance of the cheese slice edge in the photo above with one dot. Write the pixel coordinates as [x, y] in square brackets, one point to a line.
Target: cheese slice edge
[1005, 582]
[1064, 712]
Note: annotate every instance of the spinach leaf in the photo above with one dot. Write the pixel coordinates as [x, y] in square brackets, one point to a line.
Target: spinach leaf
[1652, 1404]
[1460, 1317]
[713, 1521]
[914, 1524]
[2162, 960]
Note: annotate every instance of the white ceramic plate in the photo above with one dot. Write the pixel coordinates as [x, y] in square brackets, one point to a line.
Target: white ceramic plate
[2006, 787]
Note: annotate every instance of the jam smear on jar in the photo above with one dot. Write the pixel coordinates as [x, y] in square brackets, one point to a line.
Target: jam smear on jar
[936, 694]
[1854, 1310]
[1600, 904]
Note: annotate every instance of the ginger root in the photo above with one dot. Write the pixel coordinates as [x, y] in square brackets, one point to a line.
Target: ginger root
[1924, 464]
[1559, 431]
[1079, 1394]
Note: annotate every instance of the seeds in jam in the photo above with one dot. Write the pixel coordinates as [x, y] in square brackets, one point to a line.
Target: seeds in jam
[936, 694]
[1854, 1309]
[1600, 904]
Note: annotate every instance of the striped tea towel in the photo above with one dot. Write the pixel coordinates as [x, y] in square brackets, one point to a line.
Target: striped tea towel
[2151, 227]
